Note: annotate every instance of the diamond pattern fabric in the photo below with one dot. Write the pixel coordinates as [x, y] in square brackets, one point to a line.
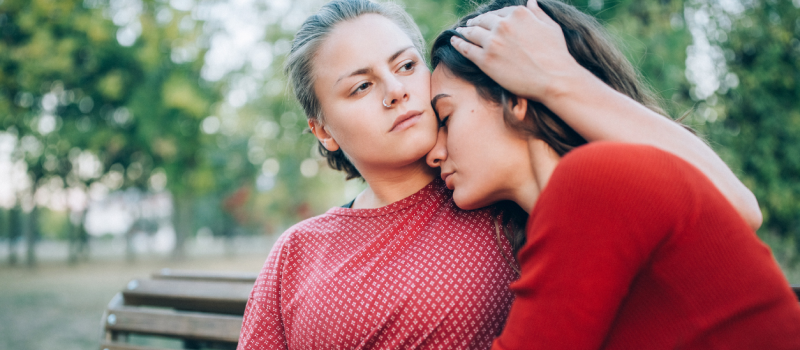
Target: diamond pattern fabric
[416, 274]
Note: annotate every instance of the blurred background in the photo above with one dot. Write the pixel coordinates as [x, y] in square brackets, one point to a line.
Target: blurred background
[140, 134]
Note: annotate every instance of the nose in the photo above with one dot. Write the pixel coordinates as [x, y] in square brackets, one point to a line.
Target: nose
[395, 92]
[438, 154]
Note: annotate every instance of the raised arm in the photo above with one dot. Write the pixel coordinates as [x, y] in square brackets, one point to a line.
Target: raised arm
[527, 39]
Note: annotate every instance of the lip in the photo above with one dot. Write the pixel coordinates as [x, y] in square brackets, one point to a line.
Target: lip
[405, 120]
[445, 177]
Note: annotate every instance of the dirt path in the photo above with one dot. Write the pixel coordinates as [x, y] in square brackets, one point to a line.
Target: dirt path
[57, 307]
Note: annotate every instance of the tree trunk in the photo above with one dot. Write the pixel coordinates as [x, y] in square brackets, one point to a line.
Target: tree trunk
[182, 222]
[9, 227]
[83, 239]
[78, 238]
[229, 227]
[31, 232]
[14, 230]
[130, 252]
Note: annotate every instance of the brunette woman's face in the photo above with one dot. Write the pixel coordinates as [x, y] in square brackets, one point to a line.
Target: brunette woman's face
[480, 157]
[363, 65]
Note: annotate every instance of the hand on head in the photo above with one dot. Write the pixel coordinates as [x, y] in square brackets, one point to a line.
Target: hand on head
[524, 38]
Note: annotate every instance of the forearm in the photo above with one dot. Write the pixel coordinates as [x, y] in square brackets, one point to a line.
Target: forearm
[600, 113]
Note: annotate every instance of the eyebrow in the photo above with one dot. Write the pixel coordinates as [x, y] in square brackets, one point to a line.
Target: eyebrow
[435, 100]
[369, 70]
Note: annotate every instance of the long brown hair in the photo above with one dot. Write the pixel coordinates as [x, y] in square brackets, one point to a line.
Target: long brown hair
[590, 45]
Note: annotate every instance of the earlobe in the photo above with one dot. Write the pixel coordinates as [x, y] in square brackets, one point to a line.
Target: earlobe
[323, 135]
[519, 107]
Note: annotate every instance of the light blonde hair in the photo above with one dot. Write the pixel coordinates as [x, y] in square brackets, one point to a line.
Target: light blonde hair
[299, 64]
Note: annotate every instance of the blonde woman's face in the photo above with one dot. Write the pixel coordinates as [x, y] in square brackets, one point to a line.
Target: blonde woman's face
[363, 65]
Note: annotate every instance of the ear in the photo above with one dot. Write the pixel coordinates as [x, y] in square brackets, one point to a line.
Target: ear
[319, 130]
[519, 107]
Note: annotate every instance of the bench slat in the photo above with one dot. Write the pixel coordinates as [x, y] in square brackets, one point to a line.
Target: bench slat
[217, 297]
[186, 325]
[194, 275]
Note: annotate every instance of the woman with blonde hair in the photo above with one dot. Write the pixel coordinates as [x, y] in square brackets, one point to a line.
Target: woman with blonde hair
[400, 266]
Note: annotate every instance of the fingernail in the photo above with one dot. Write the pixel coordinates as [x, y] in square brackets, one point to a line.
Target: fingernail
[459, 29]
[469, 22]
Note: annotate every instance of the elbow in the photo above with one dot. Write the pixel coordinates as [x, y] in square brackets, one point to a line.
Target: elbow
[755, 219]
[751, 212]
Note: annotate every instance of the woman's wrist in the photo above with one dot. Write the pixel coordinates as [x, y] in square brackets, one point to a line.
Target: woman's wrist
[569, 87]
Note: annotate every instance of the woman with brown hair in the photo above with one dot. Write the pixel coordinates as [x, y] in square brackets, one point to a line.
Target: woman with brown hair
[628, 246]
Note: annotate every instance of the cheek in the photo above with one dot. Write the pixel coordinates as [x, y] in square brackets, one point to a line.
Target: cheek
[474, 156]
[421, 81]
[350, 123]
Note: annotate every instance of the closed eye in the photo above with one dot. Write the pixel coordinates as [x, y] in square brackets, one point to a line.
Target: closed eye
[443, 122]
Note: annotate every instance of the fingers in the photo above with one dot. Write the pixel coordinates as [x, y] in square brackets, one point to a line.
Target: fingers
[477, 35]
[470, 51]
[533, 6]
[503, 12]
[493, 19]
[487, 20]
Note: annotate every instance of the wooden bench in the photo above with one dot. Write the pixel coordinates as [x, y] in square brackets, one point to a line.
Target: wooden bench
[192, 309]
[178, 309]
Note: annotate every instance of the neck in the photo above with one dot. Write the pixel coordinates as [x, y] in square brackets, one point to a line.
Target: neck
[543, 160]
[387, 186]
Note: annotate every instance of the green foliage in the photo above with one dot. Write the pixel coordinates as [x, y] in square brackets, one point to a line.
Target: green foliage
[132, 106]
[761, 129]
[142, 111]
[653, 36]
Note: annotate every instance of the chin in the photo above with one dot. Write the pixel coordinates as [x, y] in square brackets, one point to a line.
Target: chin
[464, 201]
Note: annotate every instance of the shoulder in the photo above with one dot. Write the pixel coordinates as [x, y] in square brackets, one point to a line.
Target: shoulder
[309, 229]
[625, 166]
[620, 158]
[614, 178]
[287, 247]
[607, 191]
[312, 228]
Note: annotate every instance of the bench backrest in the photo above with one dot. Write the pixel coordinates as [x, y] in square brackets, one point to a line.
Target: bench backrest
[199, 309]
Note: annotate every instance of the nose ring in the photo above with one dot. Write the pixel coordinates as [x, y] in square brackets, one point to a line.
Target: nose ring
[385, 105]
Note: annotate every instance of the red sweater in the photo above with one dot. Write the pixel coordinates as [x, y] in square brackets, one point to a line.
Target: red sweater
[418, 273]
[630, 247]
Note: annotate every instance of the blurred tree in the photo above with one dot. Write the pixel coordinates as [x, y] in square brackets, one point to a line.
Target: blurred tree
[759, 116]
[737, 64]
[103, 95]
[653, 35]
[97, 110]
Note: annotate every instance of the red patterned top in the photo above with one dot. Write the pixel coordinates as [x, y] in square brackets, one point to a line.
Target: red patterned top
[416, 274]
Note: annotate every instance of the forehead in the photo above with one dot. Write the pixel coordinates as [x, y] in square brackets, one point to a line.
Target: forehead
[443, 81]
[362, 42]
